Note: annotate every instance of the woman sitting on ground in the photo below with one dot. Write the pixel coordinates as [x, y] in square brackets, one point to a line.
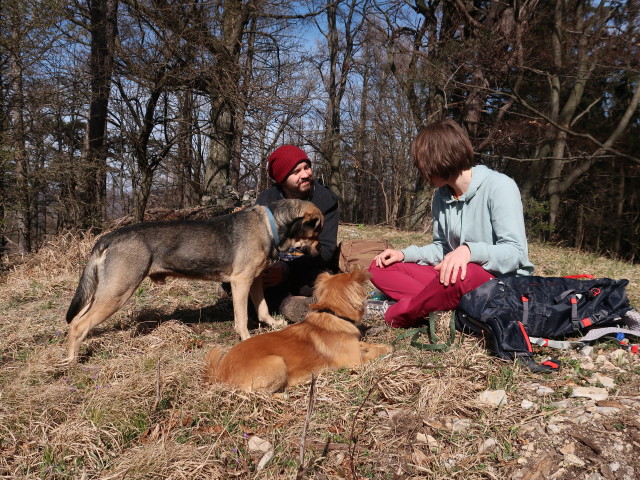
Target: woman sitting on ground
[478, 232]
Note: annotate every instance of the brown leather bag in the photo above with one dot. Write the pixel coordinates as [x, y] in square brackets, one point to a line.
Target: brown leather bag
[359, 253]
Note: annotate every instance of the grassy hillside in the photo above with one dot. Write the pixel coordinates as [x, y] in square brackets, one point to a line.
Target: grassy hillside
[136, 408]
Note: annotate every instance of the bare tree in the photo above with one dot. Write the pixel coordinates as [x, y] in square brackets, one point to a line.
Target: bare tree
[140, 132]
[102, 16]
[344, 22]
[25, 38]
[180, 99]
[581, 38]
[17, 136]
[187, 172]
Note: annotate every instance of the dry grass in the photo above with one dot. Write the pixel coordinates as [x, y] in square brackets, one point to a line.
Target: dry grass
[136, 408]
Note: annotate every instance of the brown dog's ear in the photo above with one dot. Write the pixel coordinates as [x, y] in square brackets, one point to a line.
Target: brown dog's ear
[359, 275]
[314, 223]
[323, 277]
[319, 286]
[295, 227]
[300, 228]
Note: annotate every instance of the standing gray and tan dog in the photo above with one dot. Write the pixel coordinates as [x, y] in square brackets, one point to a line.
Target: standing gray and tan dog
[231, 248]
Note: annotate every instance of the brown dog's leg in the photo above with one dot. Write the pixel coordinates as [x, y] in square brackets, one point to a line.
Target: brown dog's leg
[370, 351]
[240, 296]
[81, 325]
[269, 374]
[257, 297]
[116, 273]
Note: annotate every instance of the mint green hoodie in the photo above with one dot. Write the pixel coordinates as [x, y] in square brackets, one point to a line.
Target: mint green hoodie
[487, 218]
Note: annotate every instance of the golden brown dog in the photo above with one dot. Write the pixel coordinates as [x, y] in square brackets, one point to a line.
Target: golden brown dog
[327, 339]
[231, 248]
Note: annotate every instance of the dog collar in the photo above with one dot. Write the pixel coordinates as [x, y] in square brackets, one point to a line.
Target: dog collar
[274, 229]
[328, 310]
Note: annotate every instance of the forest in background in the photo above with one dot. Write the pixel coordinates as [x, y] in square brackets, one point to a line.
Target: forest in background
[112, 107]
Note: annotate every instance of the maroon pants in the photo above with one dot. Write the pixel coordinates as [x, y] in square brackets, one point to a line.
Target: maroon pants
[418, 290]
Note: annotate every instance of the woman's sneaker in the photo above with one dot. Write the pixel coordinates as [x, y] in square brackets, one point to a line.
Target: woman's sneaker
[375, 309]
[633, 319]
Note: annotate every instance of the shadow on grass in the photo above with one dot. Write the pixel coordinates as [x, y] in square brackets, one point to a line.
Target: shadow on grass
[146, 320]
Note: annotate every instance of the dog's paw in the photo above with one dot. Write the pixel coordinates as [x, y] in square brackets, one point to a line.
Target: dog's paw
[383, 350]
[387, 349]
[374, 350]
[279, 323]
[244, 335]
[275, 323]
[66, 362]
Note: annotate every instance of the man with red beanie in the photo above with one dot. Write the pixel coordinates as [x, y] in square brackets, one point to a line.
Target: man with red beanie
[289, 282]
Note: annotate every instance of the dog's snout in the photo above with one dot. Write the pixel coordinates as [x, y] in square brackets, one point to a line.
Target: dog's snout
[307, 250]
[313, 249]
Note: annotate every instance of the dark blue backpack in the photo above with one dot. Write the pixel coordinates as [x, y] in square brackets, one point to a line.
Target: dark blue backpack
[507, 311]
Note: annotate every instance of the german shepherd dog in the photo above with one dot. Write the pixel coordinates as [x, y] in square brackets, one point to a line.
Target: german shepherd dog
[328, 338]
[231, 248]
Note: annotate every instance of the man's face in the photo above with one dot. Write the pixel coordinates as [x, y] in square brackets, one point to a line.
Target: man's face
[298, 183]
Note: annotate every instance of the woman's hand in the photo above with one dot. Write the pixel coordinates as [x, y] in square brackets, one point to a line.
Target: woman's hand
[454, 262]
[388, 257]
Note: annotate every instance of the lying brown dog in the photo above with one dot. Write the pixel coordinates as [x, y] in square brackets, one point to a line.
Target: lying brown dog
[327, 339]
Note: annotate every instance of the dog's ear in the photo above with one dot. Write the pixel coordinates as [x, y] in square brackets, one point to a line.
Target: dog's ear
[295, 227]
[360, 276]
[314, 223]
[320, 286]
[323, 277]
[300, 227]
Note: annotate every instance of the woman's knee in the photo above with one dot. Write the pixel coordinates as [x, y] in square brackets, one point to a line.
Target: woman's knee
[375, 271]
[476, 276]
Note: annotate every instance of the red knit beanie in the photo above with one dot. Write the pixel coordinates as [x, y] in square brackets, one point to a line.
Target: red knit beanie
[283, 160]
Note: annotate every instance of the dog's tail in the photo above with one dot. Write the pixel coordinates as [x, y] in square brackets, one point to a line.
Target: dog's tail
[211, 362]
[86, 290]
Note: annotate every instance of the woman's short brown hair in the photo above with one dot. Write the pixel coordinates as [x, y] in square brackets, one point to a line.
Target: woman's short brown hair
[442, 149]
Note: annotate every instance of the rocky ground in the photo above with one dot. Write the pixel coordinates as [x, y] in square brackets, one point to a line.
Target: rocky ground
[593, 433]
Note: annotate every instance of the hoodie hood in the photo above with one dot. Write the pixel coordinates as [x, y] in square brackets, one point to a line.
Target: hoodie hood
[479, 174]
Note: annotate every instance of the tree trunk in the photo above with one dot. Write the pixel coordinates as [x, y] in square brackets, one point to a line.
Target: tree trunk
[142, 194]
[336, 82]
[226, 98]
[18, 142]
[619, 209]
[217, 171]
[331, 147]
[186, 154]
[146, 166]
[359, 207]
[92, 181]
